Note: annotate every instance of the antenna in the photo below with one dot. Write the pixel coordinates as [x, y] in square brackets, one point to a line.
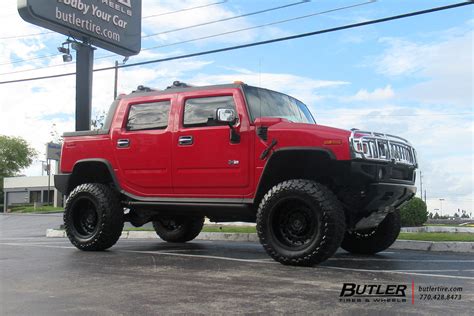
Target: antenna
[260, 85]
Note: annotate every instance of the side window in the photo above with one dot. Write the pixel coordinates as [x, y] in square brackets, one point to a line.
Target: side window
[148, 116]
[202, 111]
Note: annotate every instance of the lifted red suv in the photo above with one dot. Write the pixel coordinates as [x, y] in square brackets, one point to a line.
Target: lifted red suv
[234, 153]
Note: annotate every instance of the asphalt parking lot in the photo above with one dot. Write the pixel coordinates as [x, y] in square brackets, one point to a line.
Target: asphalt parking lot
[45, 276]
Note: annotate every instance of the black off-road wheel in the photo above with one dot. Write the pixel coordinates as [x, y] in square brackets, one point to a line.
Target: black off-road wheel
[178, 229]
[371, 241]
[300, 222]
[93, 217]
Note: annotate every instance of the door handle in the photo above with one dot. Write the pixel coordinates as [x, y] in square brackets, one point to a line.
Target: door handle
[123, 143]
[185, 140]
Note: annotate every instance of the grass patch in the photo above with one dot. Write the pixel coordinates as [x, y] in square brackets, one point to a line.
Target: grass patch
[39, 209]
[209, 229]
[230, 229]
[450, 225]
[139, 229]
[437, 236]
[404, 236]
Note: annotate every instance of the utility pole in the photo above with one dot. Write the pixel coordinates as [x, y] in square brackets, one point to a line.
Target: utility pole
[116, 80]
[116, 75]
[425, 196]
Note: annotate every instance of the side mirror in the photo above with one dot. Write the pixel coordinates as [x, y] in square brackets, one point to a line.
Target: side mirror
[226, 116]
[229, 116]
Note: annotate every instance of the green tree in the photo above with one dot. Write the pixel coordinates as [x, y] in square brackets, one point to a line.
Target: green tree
[15, 154]
[414, 213]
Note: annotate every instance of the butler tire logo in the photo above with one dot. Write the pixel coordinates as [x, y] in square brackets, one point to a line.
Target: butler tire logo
[383, 293]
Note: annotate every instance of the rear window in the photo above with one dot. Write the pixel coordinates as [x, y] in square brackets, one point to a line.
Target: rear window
[148, 116]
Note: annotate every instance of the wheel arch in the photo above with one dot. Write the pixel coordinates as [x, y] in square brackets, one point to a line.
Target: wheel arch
[296, 163]
[93, 170]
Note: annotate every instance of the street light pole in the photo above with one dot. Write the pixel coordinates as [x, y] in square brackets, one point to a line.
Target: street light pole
[441, 206]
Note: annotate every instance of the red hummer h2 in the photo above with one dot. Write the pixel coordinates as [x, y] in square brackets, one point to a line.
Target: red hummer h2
[234, 153]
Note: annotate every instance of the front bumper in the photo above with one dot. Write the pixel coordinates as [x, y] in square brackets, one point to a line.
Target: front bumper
[374, 190]
[388, 196]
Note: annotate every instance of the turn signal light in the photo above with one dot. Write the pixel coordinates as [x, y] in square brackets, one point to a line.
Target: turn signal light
[332, 142]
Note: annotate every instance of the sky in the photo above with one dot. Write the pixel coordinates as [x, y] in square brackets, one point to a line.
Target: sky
[412, 77]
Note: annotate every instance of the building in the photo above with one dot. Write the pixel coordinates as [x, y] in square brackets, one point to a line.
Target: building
[30, 190]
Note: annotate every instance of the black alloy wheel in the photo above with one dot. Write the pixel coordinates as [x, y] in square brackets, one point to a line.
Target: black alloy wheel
[93, 217]
[300, 222]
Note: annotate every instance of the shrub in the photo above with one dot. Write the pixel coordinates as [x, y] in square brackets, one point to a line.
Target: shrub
[414, 213]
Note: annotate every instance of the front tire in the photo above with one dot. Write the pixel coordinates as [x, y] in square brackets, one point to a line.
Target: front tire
[300, 222]
[178, 229]
[371, 241]
[93, 217]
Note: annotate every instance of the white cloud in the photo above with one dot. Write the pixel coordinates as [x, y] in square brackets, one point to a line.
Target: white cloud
[379, 94]
[185, 19]
[444, 67]
[304, 88]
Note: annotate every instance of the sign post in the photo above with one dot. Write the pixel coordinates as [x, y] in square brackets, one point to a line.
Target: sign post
[114, 25]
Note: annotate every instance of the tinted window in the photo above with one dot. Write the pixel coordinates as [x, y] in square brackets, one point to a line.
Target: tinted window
[267, 103]
[148, 116]
[202, 111]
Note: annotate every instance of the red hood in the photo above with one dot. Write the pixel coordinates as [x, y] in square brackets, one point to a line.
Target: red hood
[290, 134]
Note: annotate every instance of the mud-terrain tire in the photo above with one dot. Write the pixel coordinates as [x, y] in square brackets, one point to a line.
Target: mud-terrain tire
[93, 217]
[371, 241]
[178, 229]
[300, 222]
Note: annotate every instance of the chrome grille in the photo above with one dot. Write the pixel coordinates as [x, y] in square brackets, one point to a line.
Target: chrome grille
[382, 147]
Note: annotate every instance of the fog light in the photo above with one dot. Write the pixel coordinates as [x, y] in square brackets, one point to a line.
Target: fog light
[380, 173]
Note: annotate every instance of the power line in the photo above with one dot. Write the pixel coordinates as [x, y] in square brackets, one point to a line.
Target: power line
[280, 39]
[145, 17]
[25, 35]
[29, 59]
[210, 36]
[186, 9]
[262, 25]
[169, 31]
[229, 18]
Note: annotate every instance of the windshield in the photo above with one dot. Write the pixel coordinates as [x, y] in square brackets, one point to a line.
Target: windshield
[267, 103]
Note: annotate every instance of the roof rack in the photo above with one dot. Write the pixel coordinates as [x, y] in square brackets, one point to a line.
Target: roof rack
[179, 84]
[142, 88]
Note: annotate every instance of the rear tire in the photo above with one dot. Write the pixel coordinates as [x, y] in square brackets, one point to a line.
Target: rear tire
[300, 222]
[178, 229]
[93, 217]
[371, 241]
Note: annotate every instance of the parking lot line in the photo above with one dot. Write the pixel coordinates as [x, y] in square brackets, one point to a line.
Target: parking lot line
[401, 272]
[199, 256]
[36, 245]
[425, 272]
[400, 260]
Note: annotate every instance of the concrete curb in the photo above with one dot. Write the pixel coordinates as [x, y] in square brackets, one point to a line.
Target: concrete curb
[447, 246]
[437, 229]
[399, 244]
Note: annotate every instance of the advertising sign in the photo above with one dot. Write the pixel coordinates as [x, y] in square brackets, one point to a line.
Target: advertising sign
[53, 151]
[114, 25]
